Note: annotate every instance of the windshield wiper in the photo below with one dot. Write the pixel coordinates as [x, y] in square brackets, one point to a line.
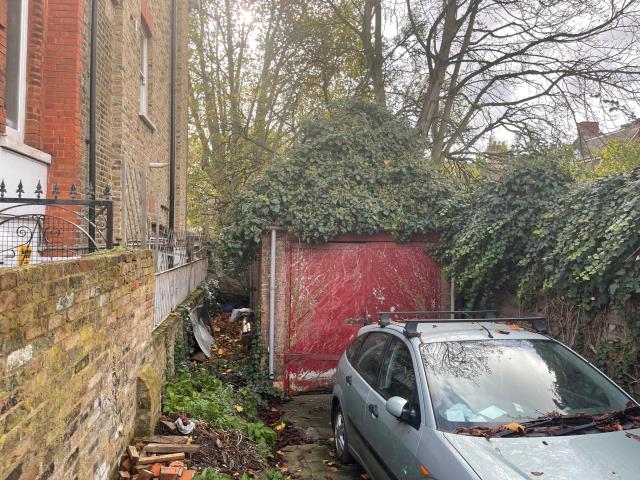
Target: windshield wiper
[589, 422]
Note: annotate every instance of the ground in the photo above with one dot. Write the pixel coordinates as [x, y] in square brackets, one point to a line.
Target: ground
[310, 414]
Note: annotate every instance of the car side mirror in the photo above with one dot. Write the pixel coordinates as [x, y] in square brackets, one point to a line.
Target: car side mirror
[396, 407]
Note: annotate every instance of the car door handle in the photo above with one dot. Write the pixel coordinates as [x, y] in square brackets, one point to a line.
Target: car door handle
[348, 379]
[373, 410]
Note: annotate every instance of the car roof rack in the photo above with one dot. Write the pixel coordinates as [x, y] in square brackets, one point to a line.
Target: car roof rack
[385, 317]
[411, 325]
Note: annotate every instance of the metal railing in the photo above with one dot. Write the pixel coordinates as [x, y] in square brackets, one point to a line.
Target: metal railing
[174, 285]
[38, 230]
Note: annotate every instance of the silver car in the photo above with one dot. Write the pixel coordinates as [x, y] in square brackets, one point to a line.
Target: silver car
[479, 399]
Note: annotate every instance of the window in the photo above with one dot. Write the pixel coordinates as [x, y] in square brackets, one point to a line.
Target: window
[491, 382]
[144, 70]
[398, 377]
[16, 68]
[370, 357]
[354, 348]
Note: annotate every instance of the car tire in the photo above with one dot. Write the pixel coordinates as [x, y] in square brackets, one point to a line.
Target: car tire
[340, 441]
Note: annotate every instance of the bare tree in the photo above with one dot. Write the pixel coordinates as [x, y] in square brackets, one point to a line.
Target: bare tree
[478, 66]
[369, 31]
[257, 69]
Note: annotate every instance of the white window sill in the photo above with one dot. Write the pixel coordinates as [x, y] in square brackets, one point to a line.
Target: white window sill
[10, 143]
[147, 121]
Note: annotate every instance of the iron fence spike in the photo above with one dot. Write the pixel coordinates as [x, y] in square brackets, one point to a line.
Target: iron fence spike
[38, 191]
[73, 191]
[56, 190]
[3, 189]
[106, 193]
[20, 189]
[91, 191]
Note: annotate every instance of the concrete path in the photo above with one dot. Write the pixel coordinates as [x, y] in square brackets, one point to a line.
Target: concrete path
[311, 414]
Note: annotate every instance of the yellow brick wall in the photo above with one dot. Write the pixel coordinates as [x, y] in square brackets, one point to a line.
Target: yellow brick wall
[75, 337]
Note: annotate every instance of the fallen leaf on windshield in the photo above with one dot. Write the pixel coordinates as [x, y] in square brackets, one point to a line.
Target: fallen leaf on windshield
[633, 435]
[514, 326]
[515, 427]
[537, 474]
[504, 332]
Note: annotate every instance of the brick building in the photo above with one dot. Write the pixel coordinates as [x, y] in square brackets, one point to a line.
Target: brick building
[590, 142]
[109, 111]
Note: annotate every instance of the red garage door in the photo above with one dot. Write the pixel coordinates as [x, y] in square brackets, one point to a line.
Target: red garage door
[334, 286]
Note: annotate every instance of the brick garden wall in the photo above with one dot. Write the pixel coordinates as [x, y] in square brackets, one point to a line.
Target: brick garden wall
[77, 354]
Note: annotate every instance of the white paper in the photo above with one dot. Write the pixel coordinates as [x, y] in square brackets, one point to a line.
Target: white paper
[492, 412]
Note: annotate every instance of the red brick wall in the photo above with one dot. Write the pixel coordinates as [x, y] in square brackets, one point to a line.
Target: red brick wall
[61, 119]
[3, 61]
[35, 78]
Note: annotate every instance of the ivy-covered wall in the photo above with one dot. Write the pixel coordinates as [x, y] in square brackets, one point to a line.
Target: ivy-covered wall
[359, 170]
[566, 248]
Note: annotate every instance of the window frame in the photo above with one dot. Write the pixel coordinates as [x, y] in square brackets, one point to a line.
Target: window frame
[360, 338]
[415, 400]
[384, 352]
[16, 132]
[385, 364]
[144, 70]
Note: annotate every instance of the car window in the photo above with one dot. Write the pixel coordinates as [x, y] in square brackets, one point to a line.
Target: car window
[491, 382]
[398, 377]
[370, 357]
[354, 348]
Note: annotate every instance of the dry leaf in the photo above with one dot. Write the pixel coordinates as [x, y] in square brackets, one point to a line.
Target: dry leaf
[537, 474]
[274, 409]
[515, 427]
[239, 408]
[283, 470]
[633, 435]
[504, 332]
[279, 426]
[333, 469]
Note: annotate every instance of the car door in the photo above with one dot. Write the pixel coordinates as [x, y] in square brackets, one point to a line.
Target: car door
[358, 383]
[394, 442]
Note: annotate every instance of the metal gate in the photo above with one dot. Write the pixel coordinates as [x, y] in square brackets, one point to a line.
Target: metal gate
[336, 287]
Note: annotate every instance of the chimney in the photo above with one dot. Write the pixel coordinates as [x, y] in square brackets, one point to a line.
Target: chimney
[588, 129]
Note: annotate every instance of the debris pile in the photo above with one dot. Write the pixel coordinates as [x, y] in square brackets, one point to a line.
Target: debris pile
[227, 451]
[163, 457]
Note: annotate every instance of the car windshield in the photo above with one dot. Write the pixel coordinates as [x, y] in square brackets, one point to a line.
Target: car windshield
[492, 382]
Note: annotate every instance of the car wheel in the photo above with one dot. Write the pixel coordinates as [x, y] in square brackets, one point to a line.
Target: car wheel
[340, 436]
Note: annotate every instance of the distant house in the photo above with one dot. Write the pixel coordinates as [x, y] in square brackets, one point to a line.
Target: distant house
[97, 102]
[590, 142]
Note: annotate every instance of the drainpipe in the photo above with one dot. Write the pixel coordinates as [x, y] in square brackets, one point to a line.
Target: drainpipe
[172, 152]
[93, 73]
[272, 303]
[452, 298]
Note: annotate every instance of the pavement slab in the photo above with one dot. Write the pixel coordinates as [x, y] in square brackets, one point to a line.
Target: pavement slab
[311, 414]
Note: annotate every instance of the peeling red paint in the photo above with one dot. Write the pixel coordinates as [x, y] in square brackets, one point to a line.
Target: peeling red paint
[334, 286]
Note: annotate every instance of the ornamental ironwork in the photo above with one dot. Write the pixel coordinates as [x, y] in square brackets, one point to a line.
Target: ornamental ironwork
[34, 229]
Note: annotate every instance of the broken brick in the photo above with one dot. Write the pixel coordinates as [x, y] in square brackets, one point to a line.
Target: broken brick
[170, 473]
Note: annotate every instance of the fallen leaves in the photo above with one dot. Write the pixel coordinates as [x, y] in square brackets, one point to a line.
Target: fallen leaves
[537, 474]
[515, 427]
[278, 427]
